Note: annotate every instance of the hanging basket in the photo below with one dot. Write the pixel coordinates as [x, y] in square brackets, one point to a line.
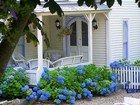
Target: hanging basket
[65, 32]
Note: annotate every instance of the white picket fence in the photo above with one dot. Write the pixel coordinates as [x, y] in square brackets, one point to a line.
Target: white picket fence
[129, 74]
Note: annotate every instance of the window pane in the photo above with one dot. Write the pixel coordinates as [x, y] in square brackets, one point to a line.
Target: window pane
[73, 37]
[84, 34]
[125, 39]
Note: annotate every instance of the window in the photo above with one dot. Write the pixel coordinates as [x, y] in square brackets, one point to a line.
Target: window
[125, 39]
[73, 37]
[84, 34]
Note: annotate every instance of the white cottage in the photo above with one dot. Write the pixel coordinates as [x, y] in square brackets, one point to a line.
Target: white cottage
[116, 37]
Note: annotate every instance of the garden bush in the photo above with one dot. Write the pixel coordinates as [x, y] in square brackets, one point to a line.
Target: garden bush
[60, 85]
[136, 63]
[12, 82]
[74, 83]
[120, 63]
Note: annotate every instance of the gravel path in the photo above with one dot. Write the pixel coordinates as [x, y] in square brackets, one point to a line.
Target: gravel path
[108, 100]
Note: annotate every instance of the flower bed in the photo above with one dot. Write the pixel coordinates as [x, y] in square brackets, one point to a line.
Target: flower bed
[70, 84]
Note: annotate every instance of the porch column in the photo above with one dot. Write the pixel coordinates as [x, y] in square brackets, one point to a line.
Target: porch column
[90, 18]
[39, 51]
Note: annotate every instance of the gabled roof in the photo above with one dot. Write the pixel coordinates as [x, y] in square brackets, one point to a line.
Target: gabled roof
[72, 7]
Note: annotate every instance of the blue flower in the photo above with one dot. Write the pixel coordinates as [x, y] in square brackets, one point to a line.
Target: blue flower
[89, 81]
[80, 69]
[44, 75]
[39, 84]
[46, 94]
[72, 98]
[35, 89]
[92, 84]
[23, 89]
[65, 91]
[113, 77]
[11, 77]
[0, 92]
[90, 96]
[62, 97]
[97, 77]
[104, 91]
[45, 69]
[26, 87]
[60, 79]
[39, 92]
[73, 93]
[43, 98]
[83, 84]
[72, 101]
[79, 96]
[28, 98]
[57, 101]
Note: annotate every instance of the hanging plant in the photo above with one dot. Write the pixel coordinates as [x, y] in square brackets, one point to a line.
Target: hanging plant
[65, 31]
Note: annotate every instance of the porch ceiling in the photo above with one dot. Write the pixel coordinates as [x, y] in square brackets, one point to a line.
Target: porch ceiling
[73, 8]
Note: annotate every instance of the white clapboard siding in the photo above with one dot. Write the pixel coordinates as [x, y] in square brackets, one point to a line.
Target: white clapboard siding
[129, 74]
[99, 41]
[128, 11]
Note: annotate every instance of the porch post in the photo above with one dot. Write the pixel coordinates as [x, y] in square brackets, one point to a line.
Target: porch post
[39, 51]
[89, 18]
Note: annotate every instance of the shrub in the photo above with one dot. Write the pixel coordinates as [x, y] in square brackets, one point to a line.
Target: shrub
[12, 82]
[136, 63]
[69, 84]
[120, 63]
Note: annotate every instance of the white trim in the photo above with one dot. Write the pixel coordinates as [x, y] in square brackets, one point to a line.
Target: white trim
[64, 38]
[76, 19]
[90, 18]
[108, 56]
[40, 51]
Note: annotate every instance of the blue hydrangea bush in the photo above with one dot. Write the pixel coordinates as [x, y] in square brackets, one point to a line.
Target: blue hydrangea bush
[120, 63]
[60, 85]
[12, 82]
[74, 83]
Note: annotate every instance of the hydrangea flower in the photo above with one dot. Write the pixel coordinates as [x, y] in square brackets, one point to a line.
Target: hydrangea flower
[45, 69]
[39, 92]
[0, 92]
[39, 84]
[79, 96]
[113, 77]
[62, 97]
[80, 69]
[25, 88]
[112, 87]
[83, 85]
[92, 84]
[89, 81]
[35, 89]
[57, 101]
[90, 96]
[60, 79]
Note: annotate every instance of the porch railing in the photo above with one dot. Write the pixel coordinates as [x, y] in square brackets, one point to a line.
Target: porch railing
[129, 77]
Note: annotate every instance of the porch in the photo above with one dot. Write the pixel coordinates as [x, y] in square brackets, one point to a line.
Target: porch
[85, 40]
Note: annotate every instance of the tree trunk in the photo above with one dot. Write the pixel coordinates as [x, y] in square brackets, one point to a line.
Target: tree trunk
[6, 50]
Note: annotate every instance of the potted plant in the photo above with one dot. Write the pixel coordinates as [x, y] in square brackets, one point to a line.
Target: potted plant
[65, 31]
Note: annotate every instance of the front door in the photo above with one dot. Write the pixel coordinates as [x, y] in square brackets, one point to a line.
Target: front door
[79, 39]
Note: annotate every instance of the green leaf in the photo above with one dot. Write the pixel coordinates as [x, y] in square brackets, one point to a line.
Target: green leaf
[32, 38]
[102, 1]
[110, 3]
[120, 2]
[80, 2]
[136, 1]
